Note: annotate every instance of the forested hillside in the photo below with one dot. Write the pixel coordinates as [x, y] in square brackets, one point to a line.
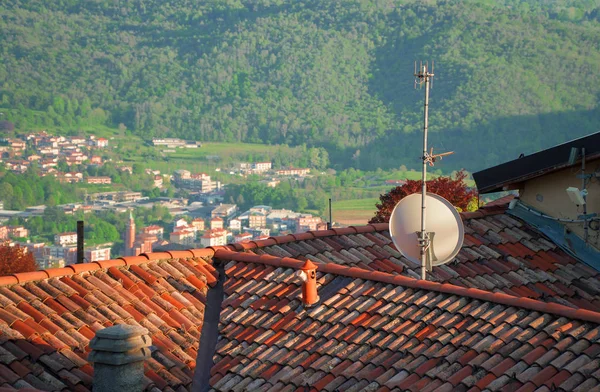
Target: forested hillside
[511, 76]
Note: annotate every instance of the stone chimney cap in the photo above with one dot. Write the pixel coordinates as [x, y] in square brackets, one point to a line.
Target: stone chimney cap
[120, 344]
[118, 354]
[121, 332]
[118, 359]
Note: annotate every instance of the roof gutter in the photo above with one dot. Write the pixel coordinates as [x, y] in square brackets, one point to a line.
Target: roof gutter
[209, 334]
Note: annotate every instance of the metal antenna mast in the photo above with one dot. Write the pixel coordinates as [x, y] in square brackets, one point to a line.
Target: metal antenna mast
[424, 77]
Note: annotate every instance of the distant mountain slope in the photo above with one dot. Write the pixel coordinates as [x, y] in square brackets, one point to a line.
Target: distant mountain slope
[330, 73]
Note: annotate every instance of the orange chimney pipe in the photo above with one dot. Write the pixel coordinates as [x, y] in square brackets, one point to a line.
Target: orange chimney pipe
[308, 274]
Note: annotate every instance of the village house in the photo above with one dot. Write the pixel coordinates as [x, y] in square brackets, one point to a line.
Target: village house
[214, 237]
[67, 253]
[86, 209]
[75, 158]
[255, 167]
[183, 237]
[272, 183]
[47, 163]
[49, 171]
[17, 146]
[97, 254]
[216, 223]
[96, 160]
[77, 140]
[224, 211]
[175, 143]
[99, 180]
[198, 224]
[395, 182]
[63, 239]
[18, 232]
[245, 236]
[152, 172]
[307, 222]
[261, 167]
[128, 169]
[70, 177]
[257, 220]
[258, 232]
[17, 166]
[179, 223]
[34, 157]
[168, 142]
[43, 255]
[101, 142]
[155, 230]
[125, 196]
[294, 172]
[235, 224]
[54, 151]
[200, 182]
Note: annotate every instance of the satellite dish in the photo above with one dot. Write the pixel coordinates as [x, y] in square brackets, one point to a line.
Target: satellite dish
[442, 222]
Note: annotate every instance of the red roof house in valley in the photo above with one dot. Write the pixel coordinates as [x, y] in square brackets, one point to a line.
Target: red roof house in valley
[330, 310]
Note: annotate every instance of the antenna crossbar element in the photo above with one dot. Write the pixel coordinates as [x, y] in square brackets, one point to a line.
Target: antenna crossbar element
[422, 76]
[431, 157]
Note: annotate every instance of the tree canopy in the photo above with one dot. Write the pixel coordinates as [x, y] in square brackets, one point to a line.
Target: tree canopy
[333, 74]
[452, 189]
[15, 259]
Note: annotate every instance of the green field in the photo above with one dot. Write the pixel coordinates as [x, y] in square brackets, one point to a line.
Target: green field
[354, 212]
[223, 150]
[357, 204]
[416, 175]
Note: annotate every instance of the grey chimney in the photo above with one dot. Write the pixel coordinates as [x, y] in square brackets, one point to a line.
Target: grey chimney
[118, 354]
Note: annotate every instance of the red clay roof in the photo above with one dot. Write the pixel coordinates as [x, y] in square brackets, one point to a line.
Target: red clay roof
[375, 327]
[48, 318]
[375, 331]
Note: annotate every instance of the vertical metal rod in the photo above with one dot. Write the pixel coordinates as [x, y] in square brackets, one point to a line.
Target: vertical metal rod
[585, 221]
[424, 242]
[330, 223]
[80, 242]
[424, 76]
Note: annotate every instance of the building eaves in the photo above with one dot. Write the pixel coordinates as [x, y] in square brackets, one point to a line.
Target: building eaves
[509, 174]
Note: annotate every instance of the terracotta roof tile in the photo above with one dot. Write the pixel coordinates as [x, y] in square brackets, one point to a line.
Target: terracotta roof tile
[103, 299]
[340, 323]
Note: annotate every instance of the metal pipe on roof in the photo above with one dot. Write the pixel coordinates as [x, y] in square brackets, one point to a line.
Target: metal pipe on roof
[80, 241]
[584, 194]
[330, 223]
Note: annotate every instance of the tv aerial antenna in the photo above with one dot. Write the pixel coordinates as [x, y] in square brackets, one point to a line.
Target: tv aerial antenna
[444, 224]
